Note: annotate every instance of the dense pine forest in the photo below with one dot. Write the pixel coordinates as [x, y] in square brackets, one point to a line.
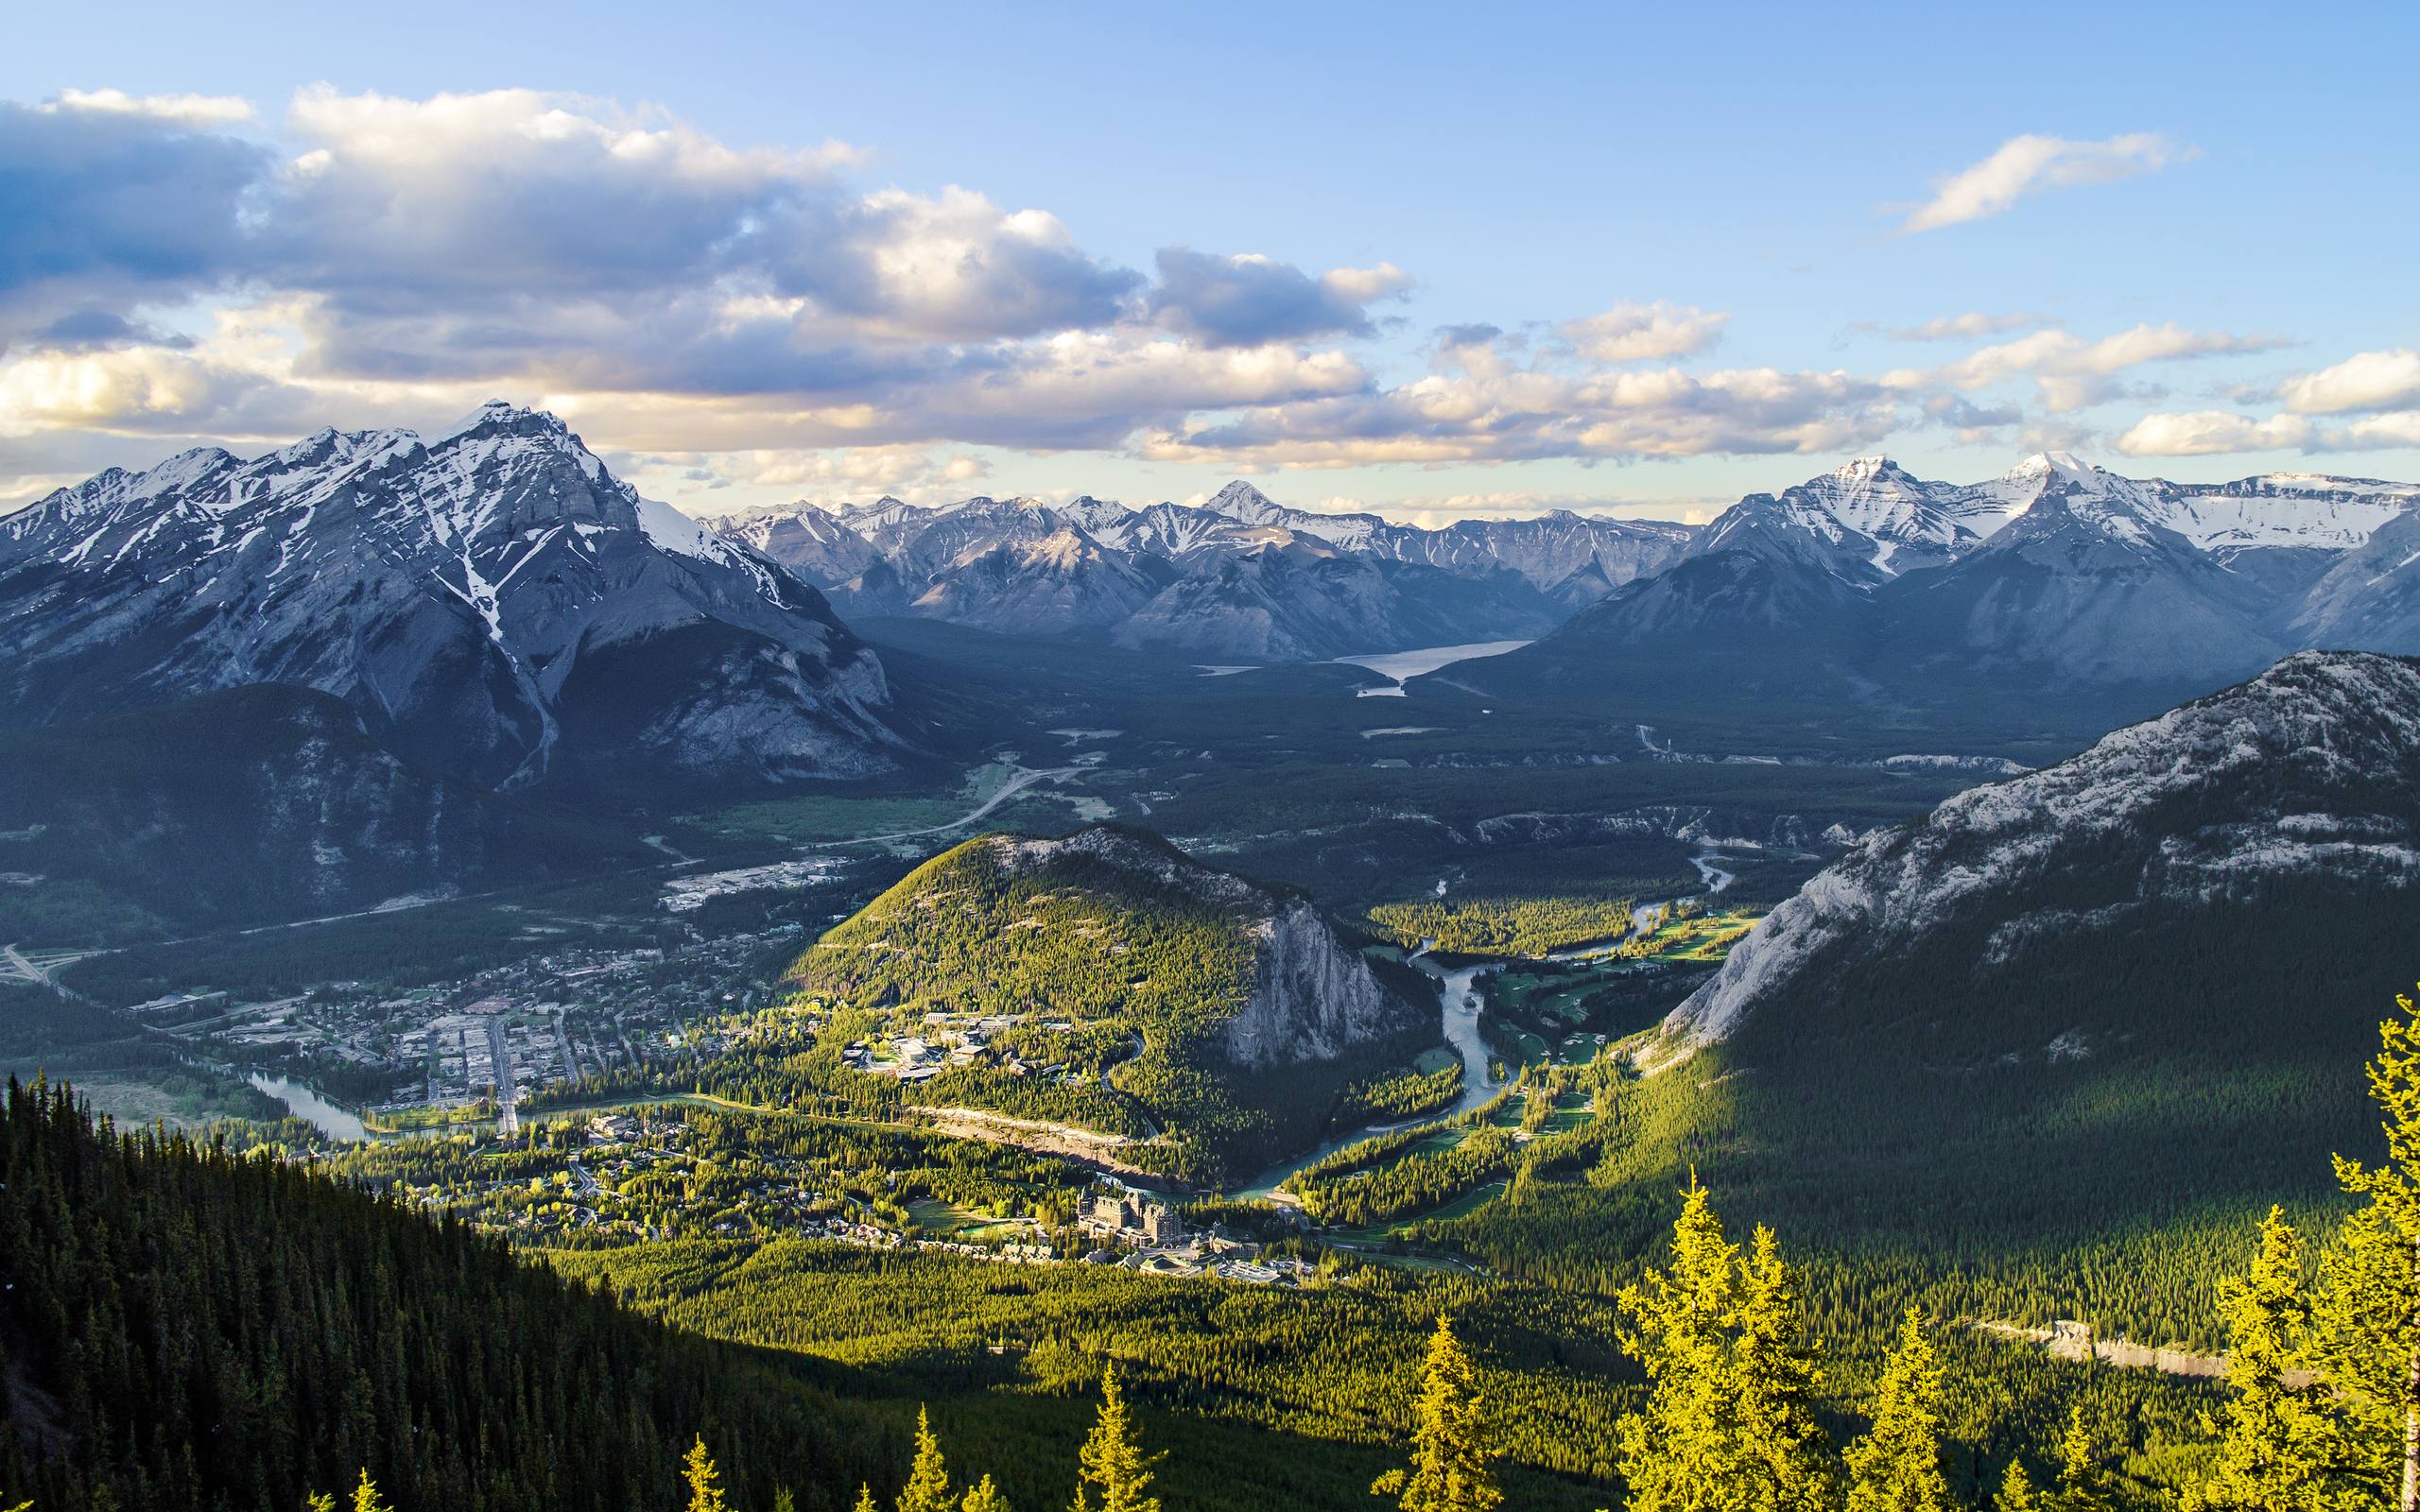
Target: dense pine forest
[182, 1327]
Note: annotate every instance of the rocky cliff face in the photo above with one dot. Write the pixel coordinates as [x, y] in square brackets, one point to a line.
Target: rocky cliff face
[2306, 777]
[1311, 998]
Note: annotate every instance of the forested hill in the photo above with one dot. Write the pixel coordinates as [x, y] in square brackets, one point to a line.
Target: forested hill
[1106, 979]
[184, 1329]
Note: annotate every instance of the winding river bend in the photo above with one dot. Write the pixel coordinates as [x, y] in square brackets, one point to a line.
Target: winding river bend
[1479, 1082]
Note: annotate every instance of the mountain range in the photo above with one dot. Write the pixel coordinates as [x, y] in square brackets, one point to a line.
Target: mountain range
[499, 611]
[493, 602]
[1238, 577]
[1869, 585]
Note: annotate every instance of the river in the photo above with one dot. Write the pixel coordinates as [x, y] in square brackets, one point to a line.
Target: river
[336, 1122]
[1461, 1013]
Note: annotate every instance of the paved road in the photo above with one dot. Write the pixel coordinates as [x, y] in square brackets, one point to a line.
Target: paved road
[20, 968]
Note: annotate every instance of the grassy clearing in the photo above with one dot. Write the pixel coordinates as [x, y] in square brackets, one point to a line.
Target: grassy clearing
[948, 1220]
[1702, 939]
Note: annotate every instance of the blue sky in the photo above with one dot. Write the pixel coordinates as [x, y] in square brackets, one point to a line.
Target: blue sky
[1645, 258]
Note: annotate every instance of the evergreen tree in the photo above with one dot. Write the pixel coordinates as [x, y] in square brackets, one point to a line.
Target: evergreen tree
[2282, 1448]
[1729, 1424]
[1896, 1466]
[697, 1469]
[2372, 1328]
[1679, 1453]
[927, 1488]
[2017, 1494]
[366, 1497]
[1110, 1459]
[1449, 1452]
[2085, 1482]
[985, 1497]
[1776, 1376]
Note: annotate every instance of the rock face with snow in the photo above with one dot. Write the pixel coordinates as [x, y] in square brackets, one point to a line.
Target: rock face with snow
[2304, 781]
[492, 602]
[1239, 576]
[2058, 578]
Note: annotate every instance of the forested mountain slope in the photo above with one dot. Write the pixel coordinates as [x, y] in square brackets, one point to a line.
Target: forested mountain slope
[184, 1329]
[2046, 1051]
[297, 809]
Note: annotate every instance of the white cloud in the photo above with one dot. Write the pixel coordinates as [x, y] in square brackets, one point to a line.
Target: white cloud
[1631, 331]
[2211, 433]
[1961, 327]
[2072, 373]
[2379, 433]
[2365, 381]
[181, 110]
[1484, 403]
[2030, 163]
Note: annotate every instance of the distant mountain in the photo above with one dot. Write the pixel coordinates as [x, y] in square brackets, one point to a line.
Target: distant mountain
[1291, 597]
[2369, 595]
[2058, 578]
[1063, 580]
[1378, 587]
[1574, 559]
[495, 604]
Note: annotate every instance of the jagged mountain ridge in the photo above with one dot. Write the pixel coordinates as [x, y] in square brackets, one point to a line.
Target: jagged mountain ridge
[1210, 568]
[1869, 585]
[2309, 774]
[493, 602]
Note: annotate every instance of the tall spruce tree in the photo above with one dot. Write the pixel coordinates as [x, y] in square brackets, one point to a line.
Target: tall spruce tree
[2372, 1323]
[1112, 1461]
[927, 1488]
[697, 1472]
[1776, 1374]
[1729, 1424]
[2085, 1484]
[1896, 1466]
[2283, 1446]
[2017, 1492]
[1450, 1454]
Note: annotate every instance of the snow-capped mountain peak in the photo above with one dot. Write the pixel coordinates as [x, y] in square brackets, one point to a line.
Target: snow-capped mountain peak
[469, 595]
[1239, 500]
